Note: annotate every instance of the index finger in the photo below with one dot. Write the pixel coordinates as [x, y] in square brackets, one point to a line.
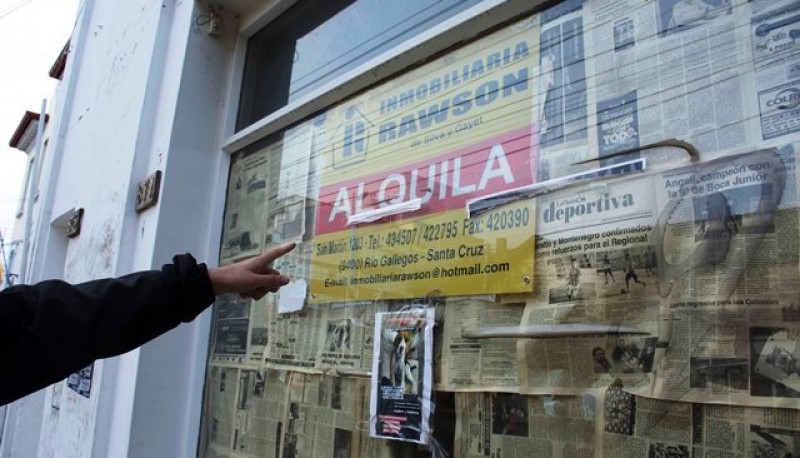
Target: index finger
[276, 253]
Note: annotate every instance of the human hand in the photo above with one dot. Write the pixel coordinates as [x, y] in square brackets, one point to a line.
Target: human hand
[251, 278]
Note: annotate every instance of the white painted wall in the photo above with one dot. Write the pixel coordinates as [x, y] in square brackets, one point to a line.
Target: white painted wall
[145, 89]
[22, 421]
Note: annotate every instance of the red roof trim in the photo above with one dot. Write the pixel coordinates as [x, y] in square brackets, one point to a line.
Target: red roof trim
[57, 70]
[26, 121]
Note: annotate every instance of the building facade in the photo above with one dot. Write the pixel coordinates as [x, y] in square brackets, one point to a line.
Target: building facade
[524, 228]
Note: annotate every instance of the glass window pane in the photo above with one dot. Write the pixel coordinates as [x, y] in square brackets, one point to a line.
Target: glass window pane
[316, 41]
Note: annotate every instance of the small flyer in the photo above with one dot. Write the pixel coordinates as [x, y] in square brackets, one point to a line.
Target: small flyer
[400, 392]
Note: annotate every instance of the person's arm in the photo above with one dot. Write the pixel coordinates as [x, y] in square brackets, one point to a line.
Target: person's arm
[52, 329]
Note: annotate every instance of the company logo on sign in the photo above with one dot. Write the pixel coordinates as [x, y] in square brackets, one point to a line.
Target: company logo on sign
[786, 99]
[350, 139]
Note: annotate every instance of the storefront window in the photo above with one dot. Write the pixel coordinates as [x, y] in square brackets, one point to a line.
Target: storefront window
[573, 235]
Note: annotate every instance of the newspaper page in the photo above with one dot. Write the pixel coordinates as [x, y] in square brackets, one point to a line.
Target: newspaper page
[257, 187]
[635, 426]
[221, 397]
[594, 266]
[506, 424]
[561, 101]
[230, 329]
[261, 312]
[366, 445]
[729, 267]
[266, 338]
[246, 408]
[739, 357]
[562, 92]
[253, 334]
[346, 346]
[288, 190]
[295, 265]
[691, 257]
[777, 66]
[288, 209]
[322, 417]
[400, 398]
[478, 364]
[670, 69]
[293, 338]
[244, 229]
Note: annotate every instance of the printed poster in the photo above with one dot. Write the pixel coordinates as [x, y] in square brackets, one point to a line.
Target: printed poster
[400, 395]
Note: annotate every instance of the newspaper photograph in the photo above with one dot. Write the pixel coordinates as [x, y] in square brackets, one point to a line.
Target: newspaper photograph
[401, 384]
[509, 424]
[774, 353]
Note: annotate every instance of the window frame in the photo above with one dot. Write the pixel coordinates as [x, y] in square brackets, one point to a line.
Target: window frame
[464, 26]
[470, 24]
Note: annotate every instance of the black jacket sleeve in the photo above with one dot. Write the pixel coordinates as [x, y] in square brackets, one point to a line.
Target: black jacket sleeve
[52, 329]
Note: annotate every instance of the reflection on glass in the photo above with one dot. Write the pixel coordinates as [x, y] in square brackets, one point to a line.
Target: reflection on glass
[316, 41]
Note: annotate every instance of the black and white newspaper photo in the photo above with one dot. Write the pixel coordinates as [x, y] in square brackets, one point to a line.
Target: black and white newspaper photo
[400, 398]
